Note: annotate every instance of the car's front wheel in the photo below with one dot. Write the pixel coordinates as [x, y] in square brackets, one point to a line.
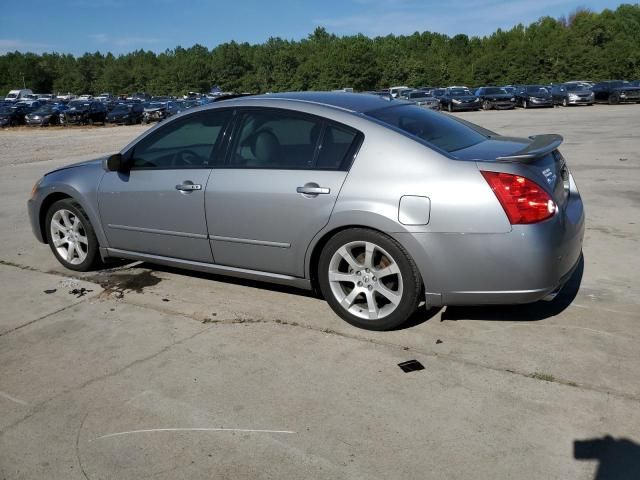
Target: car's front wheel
[71, 236]
[369, 279]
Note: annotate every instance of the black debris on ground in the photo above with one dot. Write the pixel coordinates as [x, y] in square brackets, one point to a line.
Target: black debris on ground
[50, 291]
[411, 366]
[79, 292]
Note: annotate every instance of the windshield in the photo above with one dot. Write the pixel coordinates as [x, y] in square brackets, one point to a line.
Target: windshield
[460, 91]
[495, 91]
[12, 95]
[44, 110]
[434, 128]
[577, 88]
[537, 90]
[77, 105]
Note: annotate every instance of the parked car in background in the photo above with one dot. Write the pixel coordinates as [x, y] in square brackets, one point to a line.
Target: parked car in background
[139, 96]
[566, 94]
[459, 98]
[529, 96]
[104, 97]
[65, 97]
[616, 91]
[17, 95]
[85, 97]
[422, 99]
[396, 91]
[157, 111]
[84, 112]
[495, 97]
[48, 114]
[430, 210]
[45, 97]
[126, 114]
[12, 114]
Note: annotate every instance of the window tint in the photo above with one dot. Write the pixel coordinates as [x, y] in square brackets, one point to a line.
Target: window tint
[185, 143]
[436, 128]
[336, 145]
[275, 139]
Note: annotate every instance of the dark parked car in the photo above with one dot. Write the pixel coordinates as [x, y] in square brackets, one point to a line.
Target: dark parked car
[85, 112]
[422, 99]
[157, 111]
[534, 96]
[126, 113]
[46, 115]
[495, 97]
[459, 98]
[11, 115]
[616, 91]
[566, 94]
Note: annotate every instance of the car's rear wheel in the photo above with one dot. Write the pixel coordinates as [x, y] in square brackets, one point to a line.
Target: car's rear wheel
[614, 100]
[71, 236]
[368, 279]
[486, 105]
[565, 103]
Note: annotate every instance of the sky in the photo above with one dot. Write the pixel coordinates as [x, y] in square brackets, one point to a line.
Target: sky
[120, 26]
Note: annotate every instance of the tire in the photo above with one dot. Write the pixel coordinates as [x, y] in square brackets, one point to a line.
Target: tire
[67, 213]
[525, 104]
[344, 256]
[614, 100]
[450, 107]
[486, 105]
[564, 102]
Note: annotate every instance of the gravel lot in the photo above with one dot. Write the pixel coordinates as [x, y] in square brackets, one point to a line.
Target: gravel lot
[153, 372]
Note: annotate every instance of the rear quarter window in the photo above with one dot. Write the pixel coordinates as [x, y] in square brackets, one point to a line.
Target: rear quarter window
[437, 129]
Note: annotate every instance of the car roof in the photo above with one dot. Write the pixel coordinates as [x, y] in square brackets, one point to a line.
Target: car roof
[352, 102]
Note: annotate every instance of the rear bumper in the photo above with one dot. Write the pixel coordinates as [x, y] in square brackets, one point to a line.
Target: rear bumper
[521, 266]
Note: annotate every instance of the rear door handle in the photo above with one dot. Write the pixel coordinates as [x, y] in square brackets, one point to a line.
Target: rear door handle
[308, 190]
[188, 187]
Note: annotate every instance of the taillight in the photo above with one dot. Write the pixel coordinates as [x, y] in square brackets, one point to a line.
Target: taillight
[523, 200]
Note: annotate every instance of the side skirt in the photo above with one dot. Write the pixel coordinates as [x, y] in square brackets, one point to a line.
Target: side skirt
[257, 275]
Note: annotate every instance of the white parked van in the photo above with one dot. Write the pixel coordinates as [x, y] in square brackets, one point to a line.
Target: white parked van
[15, 95]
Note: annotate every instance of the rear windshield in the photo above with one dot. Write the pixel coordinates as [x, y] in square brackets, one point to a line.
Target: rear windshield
[435, 128]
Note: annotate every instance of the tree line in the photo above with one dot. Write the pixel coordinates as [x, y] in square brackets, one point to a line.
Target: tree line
[584, 45]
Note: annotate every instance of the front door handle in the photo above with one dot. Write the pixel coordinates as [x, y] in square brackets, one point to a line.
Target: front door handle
[188, 187]
[313, 190]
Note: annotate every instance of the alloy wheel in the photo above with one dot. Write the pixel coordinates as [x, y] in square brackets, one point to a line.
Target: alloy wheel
[69, 237]
[365, 280]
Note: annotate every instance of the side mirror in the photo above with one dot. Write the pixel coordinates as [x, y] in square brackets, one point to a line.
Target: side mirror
[114, 163]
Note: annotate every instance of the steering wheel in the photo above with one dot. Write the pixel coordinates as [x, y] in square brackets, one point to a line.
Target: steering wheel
[184, 158]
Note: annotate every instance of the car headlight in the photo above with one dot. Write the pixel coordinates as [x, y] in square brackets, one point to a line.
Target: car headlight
[34, 190]
[573, 96]
[476, 99]
[513, 99]
[455, 101]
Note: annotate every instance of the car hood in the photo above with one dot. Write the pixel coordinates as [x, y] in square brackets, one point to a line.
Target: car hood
[498, 96]
[463, 97]
[96, 162]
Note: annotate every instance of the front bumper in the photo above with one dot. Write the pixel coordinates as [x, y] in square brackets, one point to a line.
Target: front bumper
[580, 101]
[540, 103]
[33, 208]
[466, 106]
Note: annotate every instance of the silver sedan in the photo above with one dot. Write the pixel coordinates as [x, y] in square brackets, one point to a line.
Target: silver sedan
[377, 204]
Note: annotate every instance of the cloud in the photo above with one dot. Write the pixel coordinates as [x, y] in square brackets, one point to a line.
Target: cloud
[476, 17]
[123, 42]
[11, 45]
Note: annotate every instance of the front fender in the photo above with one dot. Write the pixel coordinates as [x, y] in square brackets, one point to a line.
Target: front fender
[81, 184]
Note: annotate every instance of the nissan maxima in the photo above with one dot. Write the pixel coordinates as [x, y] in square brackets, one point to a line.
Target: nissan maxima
[380, 205]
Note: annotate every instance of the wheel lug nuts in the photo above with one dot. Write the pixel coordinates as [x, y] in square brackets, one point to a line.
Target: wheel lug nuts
[370, 287]
[367, 270]
[358, 273]
[374, 279]
[359, 284]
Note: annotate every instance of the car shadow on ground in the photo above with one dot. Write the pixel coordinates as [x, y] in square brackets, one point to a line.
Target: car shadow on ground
[528, 312]
[618, 458]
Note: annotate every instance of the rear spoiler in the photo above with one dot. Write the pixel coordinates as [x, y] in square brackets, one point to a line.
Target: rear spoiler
[540, 146]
